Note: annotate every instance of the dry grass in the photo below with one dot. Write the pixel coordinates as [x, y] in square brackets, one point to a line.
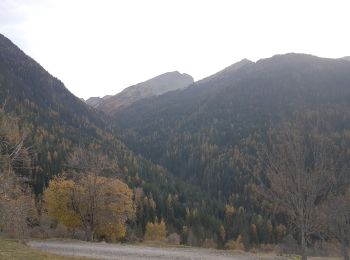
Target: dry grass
[11, 249]
[292, 257]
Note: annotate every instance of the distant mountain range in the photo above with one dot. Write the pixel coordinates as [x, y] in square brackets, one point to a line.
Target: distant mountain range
[153, 87]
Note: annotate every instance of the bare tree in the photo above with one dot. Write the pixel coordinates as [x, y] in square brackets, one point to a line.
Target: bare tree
[84, 160]
[297, 175]
[336, 214]
[16, 201]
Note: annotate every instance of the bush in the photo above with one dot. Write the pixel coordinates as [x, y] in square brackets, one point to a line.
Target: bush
[48, 228]
[235, 244]
[209, 243]
[325, 248]
[289, 245]
[131, 236]
[265, 248]
[14, 216]
[192, 239]
[174, 239]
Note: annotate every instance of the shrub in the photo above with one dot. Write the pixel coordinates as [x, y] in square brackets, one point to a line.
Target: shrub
[235, 244]
[209, 243]
[155, 231]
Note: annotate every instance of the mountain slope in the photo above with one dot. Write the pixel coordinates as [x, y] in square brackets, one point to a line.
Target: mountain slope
[208, 134]
[57, 123]
[153, 87]
[200, 133]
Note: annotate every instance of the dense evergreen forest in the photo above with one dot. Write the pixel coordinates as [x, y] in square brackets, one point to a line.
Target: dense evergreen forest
[190, 156]
[209, 133]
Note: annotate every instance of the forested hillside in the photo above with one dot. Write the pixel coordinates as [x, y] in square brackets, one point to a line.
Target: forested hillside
[55, 120]
[200, 132]
[209, 134]
[55, 124]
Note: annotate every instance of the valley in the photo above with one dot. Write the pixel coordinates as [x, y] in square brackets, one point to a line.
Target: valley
[254, 155]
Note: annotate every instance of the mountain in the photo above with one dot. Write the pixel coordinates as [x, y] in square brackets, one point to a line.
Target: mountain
[153, 87]
[201, 133]
[57, 123]
[94, 101]
[55, 120]
[208, 134]
[227, 71]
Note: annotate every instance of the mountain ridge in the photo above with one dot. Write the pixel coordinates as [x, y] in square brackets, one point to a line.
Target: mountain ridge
[229, 107]
[57, 121]
[155, 86]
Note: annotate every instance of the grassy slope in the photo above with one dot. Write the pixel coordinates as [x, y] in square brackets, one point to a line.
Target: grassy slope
[11, 249]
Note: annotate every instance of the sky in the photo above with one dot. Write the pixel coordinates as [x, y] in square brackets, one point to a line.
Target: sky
[99, 47]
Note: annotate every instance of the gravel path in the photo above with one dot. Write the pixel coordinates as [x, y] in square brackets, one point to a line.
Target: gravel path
[131, 252]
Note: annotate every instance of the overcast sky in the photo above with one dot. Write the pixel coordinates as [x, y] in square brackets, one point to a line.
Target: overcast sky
[100, 47]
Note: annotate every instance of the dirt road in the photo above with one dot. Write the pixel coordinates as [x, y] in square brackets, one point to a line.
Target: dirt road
[131, 252]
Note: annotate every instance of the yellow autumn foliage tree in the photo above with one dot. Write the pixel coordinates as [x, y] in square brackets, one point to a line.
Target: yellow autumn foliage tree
[116, 206]
[155, 231]
[58, 202]
[99, 205]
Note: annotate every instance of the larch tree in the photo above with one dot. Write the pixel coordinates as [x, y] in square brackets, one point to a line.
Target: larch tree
[155, 231]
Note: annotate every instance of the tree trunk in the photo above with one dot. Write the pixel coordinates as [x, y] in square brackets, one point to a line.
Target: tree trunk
[89, 234]
[345, 251]
[303, 246]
